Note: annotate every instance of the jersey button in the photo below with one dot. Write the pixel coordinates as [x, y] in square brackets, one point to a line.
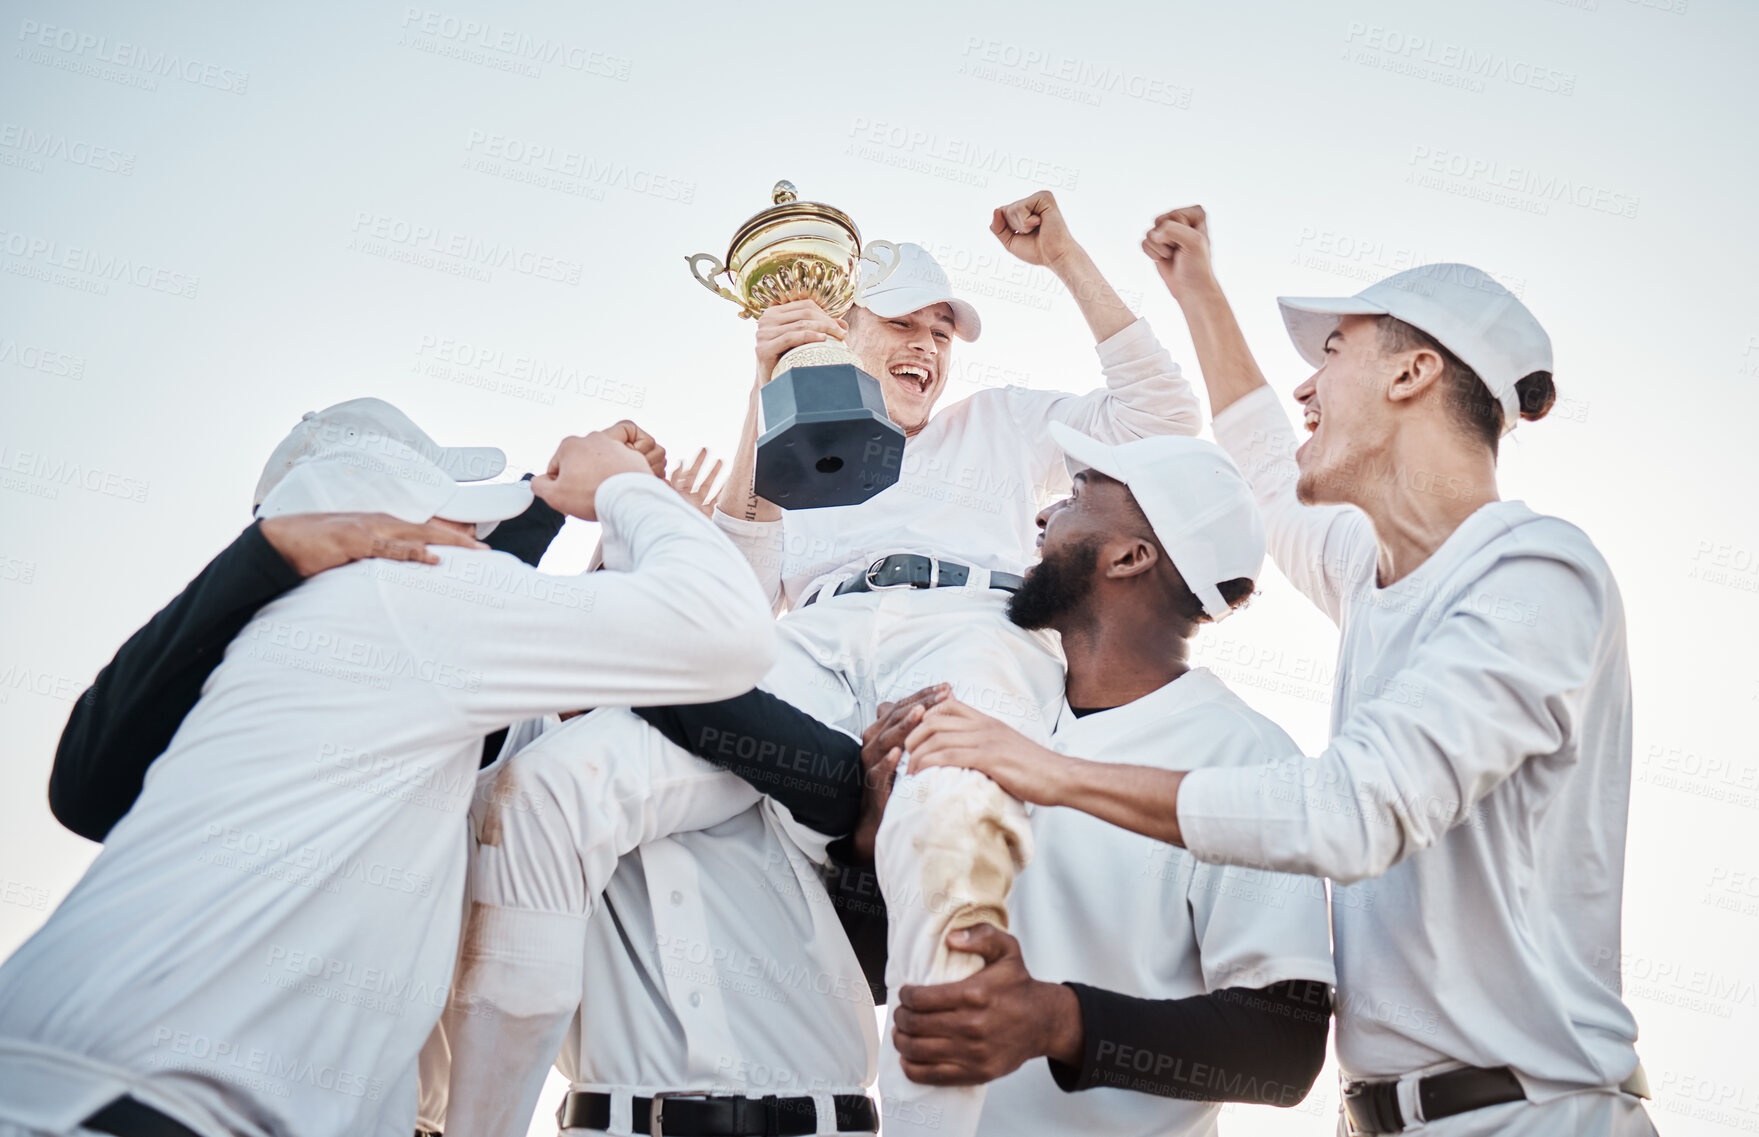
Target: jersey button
[696, 998]
[677, 898]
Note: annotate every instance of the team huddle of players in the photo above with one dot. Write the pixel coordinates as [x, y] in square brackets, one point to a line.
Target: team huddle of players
[393, 822]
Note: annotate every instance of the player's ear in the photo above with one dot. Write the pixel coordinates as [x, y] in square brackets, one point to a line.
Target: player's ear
[1422, 371]
[1130, 556]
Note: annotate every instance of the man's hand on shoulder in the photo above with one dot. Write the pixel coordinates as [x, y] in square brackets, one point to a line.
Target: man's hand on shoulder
[313, 542]
[583, 462]
[978, 1029]
[1034, 230]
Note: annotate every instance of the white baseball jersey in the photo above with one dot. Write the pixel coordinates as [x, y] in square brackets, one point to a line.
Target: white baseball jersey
[1474, 795]
[1106, 907]
[976, 475]
[268, 936]
[717, 962]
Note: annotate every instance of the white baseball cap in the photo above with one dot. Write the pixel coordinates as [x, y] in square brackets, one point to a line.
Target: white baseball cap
[365, 455]
[1466, 311]
[1193, 495]
[918, 281]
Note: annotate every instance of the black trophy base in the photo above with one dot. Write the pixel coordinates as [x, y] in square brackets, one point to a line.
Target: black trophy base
[828, 440]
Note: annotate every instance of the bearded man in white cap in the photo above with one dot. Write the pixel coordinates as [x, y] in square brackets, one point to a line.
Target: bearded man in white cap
[1471, 805]
[1132, 966]
[269, 831]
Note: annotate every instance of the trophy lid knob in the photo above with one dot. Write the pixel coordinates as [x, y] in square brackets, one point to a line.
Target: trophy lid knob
[784, 193]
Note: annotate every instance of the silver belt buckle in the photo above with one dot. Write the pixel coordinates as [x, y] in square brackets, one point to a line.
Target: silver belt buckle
[934, 576]
[656, 1106]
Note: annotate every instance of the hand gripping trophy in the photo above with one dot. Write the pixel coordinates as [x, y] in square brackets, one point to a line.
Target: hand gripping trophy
[826, 438]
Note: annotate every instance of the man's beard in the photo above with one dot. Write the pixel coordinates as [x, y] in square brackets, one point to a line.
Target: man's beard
[1055, 587]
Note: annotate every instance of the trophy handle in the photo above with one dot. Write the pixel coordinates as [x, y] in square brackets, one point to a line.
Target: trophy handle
[708, 280]
[885, 267]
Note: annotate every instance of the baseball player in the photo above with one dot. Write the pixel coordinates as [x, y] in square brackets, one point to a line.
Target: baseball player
[798, 1022]
[910, 587]
[1173, 977]
[258, 948]
[1471, 806]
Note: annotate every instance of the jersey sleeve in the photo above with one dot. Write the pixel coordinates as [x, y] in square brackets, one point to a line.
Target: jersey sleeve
[1324, 550]
[760, 543]
[1255, 926]
[1499, 681]
[674, 617]
[1144, 394]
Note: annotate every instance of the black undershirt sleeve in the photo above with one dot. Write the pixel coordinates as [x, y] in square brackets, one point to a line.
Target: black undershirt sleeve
[127, 717]
[813, 769]
[855, 897]
[1263, 1046]
[528, 536]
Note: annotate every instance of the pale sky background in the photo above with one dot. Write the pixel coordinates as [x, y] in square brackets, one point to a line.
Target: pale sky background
[1596, 155]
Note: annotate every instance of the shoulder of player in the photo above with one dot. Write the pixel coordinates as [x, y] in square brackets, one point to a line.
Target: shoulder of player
[1210, 726]
[1542, 534]
[1011, 400]
[1538, 539]
[1241, 735]
[468, 581]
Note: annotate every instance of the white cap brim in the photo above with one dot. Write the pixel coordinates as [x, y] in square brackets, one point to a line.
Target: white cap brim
[1086, 453]
[1312, 319]
[479, 503]
[891, 303]
[471, 463]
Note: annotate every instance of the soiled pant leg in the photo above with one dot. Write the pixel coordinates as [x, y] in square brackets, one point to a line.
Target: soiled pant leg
[952, 841]
[557, 817]
[946, 857]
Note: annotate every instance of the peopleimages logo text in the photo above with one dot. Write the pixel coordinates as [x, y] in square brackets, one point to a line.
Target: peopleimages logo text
[132, 57]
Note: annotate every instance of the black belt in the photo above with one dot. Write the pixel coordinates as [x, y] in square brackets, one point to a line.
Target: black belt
[911, 570]
[709, 1115]
[126, 1117]
[1373, 1107]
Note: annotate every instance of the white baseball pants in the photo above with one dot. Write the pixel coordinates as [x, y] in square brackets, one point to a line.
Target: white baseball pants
[560, 814]
[952, 841]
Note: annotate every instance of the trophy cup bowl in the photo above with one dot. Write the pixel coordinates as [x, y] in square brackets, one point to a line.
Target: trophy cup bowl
[826, 437]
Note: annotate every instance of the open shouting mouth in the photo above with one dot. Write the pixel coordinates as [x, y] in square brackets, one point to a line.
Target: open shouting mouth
[912, 376]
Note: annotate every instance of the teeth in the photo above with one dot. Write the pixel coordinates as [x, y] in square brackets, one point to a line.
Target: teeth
[916, 374]
[1311, 420]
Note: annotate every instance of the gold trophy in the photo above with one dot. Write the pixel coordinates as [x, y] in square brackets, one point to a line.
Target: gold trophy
[826, 437]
